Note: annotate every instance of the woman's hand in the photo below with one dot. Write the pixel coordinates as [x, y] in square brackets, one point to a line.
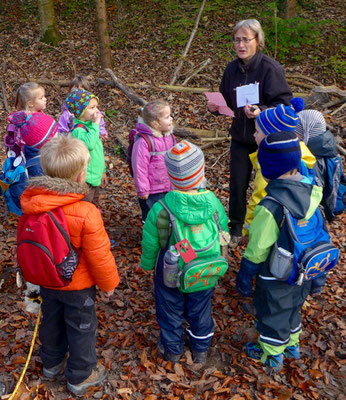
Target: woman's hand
[212, 106]
[251, 111]
[104, 180]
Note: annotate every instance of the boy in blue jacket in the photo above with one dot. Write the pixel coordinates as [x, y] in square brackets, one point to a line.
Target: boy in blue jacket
[277, 303]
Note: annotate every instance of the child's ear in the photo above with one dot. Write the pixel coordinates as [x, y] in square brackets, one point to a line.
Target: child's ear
[155, 124]
[81, 177]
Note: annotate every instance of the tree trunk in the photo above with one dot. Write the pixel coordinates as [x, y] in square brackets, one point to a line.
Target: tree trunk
[287, 8]
[49, 30]
[102, 26]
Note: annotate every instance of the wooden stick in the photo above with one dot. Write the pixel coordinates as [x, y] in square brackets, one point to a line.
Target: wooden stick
[183, 56]
[129, 93]
[203, 65]
[341, 150]
[307, 78]
[339, 108]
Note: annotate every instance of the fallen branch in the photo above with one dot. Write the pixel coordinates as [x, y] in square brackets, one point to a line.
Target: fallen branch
[183, 56]
[341, 150]
[339, 108]
[307, 78]
[129, 93]
[330, 90]
[165, 87]
[334, 103]
[203, 65]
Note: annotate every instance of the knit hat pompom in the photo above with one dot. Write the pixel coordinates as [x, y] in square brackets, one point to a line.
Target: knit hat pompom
[280, 119]
[279, 153]
[298, 104]
[77, 101]
[38, 129]
[18, 118]
[185, 166]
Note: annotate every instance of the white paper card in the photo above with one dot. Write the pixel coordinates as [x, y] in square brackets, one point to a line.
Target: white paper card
[247, 94]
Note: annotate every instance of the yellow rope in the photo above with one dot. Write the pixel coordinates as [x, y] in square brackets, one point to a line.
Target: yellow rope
[39, 299]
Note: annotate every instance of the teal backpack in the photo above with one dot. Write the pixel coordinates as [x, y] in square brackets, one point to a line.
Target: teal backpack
[203, 272]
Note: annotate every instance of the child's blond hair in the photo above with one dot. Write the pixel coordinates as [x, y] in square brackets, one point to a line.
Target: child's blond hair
[64, 157]
[152, 110]
[26, 93]
[80, 82]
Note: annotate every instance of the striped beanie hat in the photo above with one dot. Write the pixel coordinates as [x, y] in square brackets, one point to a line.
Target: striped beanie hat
[282, 118]
[36, 128]
[77, 101]
[185, 166]
[311, 123]
[279, 153]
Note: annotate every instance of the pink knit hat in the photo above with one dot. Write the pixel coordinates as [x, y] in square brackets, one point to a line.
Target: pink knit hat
[36, 128]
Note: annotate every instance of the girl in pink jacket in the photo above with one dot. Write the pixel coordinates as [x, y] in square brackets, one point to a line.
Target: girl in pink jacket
[153, 139]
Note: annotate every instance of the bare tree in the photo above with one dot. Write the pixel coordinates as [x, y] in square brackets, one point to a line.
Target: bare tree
[102, 27]
[49, 30]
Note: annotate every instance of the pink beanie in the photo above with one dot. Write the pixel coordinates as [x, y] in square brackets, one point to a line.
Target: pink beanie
[36, 128]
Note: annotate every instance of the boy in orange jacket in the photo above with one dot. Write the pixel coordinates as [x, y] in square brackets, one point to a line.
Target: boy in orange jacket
[68, 327]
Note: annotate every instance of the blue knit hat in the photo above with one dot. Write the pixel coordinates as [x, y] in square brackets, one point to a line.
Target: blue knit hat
[279, 153]
[282, 118]
[77, 101]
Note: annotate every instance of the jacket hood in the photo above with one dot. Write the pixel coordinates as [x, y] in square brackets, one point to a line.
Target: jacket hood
[142, 127]
[299, 197]
[45, 193]
[191, 208]
[323, 145]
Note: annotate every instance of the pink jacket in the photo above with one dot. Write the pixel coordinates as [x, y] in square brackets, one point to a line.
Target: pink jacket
[149, 172]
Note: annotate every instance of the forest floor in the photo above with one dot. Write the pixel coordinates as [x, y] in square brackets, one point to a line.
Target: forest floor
[128, 332]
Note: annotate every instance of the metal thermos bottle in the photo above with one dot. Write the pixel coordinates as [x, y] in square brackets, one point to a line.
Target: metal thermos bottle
[171, 267]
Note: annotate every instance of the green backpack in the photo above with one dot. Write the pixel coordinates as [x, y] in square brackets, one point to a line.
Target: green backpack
[203, 272]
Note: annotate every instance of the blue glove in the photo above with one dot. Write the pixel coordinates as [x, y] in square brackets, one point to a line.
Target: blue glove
[247, 271]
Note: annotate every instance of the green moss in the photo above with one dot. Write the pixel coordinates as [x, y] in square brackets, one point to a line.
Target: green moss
[52, 36]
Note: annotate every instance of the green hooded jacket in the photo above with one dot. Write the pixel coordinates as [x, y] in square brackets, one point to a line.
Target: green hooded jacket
[91, 137]
[190, 208]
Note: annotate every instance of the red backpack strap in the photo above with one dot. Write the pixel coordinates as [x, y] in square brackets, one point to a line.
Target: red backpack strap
[149, 141]
[80, 126]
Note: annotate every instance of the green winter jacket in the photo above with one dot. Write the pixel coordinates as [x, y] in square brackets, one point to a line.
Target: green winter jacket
[191, 208]
[91, 137]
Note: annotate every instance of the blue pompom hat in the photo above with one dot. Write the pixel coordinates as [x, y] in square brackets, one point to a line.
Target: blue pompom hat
[279, 153]
[282, 118]
[77, 101]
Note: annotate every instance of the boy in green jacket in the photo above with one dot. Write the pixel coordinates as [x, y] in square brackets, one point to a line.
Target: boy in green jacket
[86, 127]
[277, 303]
[193, 207]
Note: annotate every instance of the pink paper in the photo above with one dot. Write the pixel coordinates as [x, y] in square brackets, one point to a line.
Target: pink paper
[217, 99]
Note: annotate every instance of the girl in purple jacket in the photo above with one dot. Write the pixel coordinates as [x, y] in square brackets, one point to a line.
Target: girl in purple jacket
[66, 119]
[148, 154]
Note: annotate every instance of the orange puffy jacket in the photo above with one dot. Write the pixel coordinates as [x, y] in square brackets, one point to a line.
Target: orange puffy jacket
[87, 233]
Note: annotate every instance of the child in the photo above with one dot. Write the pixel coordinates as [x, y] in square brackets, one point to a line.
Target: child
[30, 98]
[66, 120]
[313, 131]
[149, 171]
[277, 303]
[35, 129]
[194, 207]
[281, 118]
[68, 327]
[83, 105]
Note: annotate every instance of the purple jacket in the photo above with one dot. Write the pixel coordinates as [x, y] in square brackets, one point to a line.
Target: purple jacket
[64, 120]
[150, 173]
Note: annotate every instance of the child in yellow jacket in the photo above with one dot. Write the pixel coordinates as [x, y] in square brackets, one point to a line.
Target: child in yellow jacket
[268, 122]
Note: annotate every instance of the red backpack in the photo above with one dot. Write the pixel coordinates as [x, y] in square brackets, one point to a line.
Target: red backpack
[44, 251]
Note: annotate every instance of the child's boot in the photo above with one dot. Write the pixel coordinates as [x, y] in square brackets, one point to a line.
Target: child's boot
[292, 352]
[166, 355]
[55, 371]
[274, 362]
[199, 357]
[97, 375]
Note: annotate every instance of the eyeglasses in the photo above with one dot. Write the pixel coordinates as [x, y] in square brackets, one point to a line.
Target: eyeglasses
[245, 40]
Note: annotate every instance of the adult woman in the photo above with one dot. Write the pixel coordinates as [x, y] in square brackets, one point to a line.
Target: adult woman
[251, 66]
